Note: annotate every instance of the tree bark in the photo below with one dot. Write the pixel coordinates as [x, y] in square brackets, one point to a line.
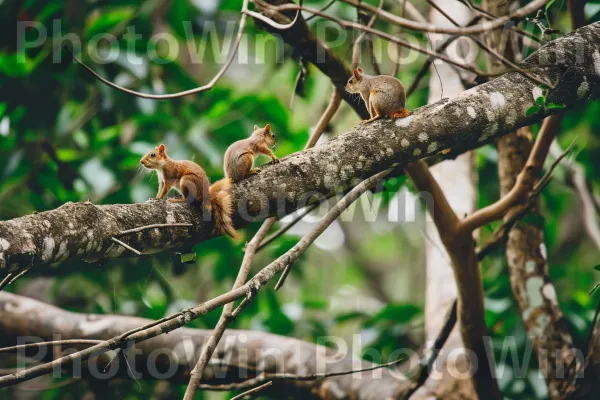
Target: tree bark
[476, 116]
[527, 256]
[240, 355]
[457, 180]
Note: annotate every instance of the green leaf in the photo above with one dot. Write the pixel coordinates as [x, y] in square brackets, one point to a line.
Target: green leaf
[188, 258]
[549, 4]
[532, 110]
[554, 106]
[395, 313]
[349, 316]
[104, 23]
[597, 267]
[540, 100]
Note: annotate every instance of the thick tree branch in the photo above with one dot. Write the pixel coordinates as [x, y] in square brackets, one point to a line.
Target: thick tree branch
[476, 116]
[241, 355]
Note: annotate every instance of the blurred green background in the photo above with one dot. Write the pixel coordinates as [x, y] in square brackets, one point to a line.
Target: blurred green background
[66, 137]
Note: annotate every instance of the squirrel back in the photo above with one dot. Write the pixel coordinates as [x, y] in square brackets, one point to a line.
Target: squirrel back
[190, 180]
[239, 157]
[383, 95]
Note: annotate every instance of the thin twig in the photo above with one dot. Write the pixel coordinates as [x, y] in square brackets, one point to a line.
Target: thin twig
[208, 86]
[328, 219]
[501, 234]
[386, 36]
[250, 252]
[269, 377]
[524, 183]
[252, 391]
[359, 39]
[7, 279]
[427, 27]
[281, 231]
[128, 247]
[51, 343]
[426, 365]
[577, 180]
[143, 228]
[322, 10]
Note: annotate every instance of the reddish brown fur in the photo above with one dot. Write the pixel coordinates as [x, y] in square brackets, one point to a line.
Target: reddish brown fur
[239, 157]
[384, 96]
[190, 180]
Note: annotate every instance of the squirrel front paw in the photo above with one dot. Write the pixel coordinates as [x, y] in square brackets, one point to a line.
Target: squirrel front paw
[365, 121]
[254, 171]
[275, 159]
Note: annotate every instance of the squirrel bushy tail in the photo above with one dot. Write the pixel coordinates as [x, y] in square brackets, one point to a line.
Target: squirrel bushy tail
[222, 207]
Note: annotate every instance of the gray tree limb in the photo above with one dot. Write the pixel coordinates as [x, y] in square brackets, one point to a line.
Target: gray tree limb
[241, 354]
[476, 116]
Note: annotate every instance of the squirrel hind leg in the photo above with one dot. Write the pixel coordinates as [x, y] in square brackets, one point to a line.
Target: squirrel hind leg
[191, 188]
[401, 114]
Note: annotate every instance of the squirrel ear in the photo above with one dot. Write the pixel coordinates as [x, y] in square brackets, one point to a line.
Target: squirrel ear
[267, 128]
[357, 73]
[360, 70]
[161, 148]
[256, 127]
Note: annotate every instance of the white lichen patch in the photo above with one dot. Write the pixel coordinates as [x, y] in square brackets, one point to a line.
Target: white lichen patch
[537, 92]
[433, 146]
[543, 251]
[533, 292]
[48, 249]
[530, 267]
[4, 244]
[471, 112]
[423, 137]
[62, 251]
[583, 89]
[389, 152]
[404, 143]
[497, 99]
[404, 122]
[417, 152]
[550, 293]
[47, 223]
[596, 57]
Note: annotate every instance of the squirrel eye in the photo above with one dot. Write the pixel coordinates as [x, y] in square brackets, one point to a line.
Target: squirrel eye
[153, 155]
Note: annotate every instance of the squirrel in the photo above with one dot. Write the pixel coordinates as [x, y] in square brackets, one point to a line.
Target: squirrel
[191, 182]
[383, 95]
[239, 157]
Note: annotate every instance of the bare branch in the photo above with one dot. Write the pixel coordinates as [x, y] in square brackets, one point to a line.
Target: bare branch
[125, 245]
[524, 183]
[252, 352]
[252, 391]
[232, 52]
[426, 27]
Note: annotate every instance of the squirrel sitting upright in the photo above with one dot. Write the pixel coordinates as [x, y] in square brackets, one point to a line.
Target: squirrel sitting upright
[191, 182]
[383, 95]
[239, 157]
